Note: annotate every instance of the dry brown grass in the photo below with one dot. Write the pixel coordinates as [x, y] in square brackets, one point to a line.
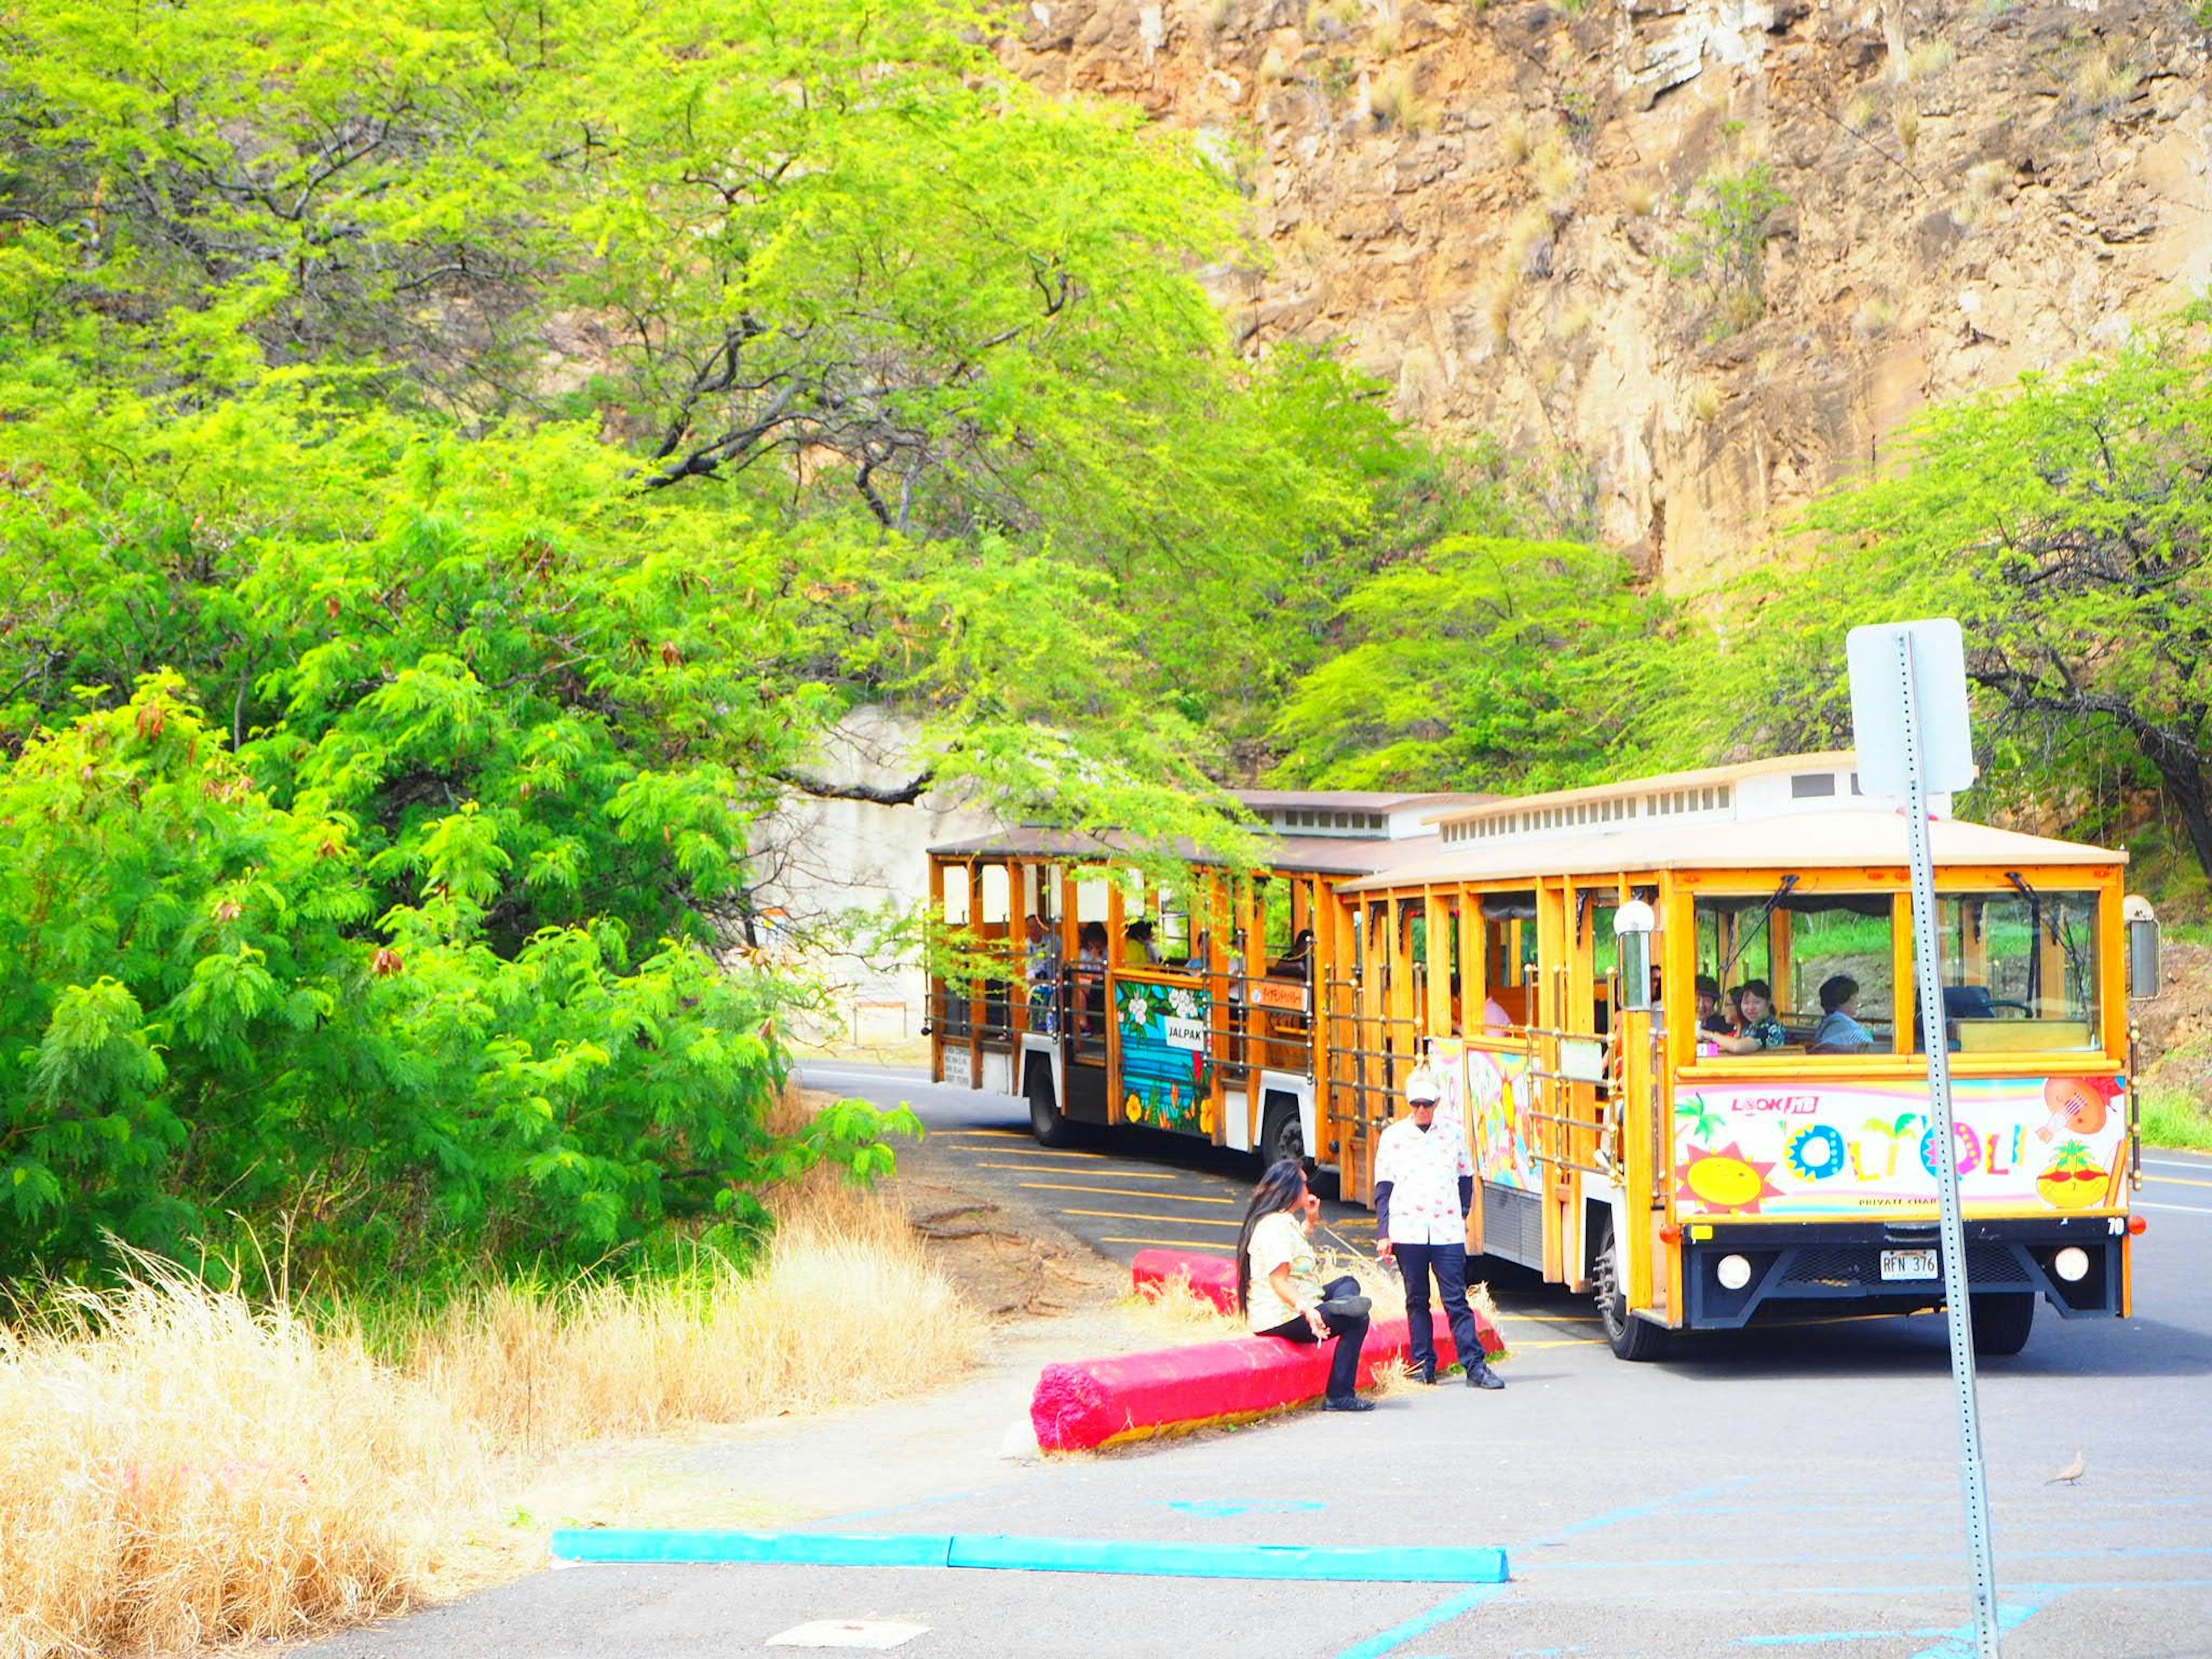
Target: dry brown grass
[1498, 300]
[1875, 317]
[1515, 143]
[1172, 1314]
[847, 1307]
[2102, 83]
[1927, 60]
[177, 1467]
[1394, 100]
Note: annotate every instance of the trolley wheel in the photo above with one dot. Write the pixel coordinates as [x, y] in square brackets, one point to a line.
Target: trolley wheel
[1047, 1121]
[1280, 1135]
[1630, 1336]
[2000, 1321]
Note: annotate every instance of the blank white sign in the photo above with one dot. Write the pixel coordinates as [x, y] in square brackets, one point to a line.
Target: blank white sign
[1939, 684]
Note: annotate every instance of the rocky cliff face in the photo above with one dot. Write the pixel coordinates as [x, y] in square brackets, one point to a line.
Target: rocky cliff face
[1521, 216]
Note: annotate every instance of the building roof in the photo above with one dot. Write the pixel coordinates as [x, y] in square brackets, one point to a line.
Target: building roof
[1802, 841]
[1829, 760]
[1355, 801]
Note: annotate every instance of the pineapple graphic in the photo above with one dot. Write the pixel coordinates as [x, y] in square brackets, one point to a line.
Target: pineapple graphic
[2072, 1180]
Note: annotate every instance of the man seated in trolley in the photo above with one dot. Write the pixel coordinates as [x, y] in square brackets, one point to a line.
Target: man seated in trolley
[1684, 1177]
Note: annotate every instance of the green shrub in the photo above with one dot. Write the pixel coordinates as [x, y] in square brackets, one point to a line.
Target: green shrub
[1724, 248]
[2172, 1118]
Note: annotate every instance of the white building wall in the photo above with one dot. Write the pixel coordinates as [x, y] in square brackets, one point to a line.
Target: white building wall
[832, 865]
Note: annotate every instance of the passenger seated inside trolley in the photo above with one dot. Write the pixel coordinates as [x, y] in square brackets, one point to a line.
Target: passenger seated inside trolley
[1757, 1028]
[1839, 1032]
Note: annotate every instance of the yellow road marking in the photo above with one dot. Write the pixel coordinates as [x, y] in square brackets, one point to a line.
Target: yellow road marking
[989, 1134]
[1560, 1342]
[1119, 1175]
[1182, 1220]
[1547, 1319]
[1119, 1192]
[1167, 1244]
[2178, 1181]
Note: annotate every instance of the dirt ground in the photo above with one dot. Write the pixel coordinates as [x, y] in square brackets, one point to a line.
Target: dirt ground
[2175, 1029]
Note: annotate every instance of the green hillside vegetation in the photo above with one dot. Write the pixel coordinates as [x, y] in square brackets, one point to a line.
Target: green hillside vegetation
[458, 460]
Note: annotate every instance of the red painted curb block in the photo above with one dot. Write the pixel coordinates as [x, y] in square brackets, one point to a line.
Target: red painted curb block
[1211, 1277]
[1102, 1402]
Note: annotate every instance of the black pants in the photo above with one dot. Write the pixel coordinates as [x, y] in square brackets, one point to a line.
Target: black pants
[1351, 1334]
[1449, 1263]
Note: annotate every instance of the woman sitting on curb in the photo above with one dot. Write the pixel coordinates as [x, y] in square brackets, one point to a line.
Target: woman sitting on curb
[1279, 1285]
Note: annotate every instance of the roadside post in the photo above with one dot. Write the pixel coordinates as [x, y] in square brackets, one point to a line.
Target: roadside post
[1910, 724]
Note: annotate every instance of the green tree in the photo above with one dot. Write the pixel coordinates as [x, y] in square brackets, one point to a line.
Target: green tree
[2067, 523]
[1483, 663]
[808, 256]
[202, 1009]
[497, 442]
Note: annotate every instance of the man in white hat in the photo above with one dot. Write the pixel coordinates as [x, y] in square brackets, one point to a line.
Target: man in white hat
[1423, 1188]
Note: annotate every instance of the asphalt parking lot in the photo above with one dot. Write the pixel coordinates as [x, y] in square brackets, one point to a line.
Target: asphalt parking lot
[1784, 1488]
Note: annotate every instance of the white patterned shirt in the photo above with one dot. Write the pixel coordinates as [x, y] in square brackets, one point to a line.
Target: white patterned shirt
[1423, 1170]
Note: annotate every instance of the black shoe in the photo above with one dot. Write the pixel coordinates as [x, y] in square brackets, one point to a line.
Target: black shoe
[1351, 1402]
[1426, 1375]
[1480, 1375]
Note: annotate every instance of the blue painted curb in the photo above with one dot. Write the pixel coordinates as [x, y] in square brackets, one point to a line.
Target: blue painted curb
[639, 1546]
[1352, 1563]
[1415, 1565]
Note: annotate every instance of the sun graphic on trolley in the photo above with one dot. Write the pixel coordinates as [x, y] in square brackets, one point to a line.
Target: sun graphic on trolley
[1725, 1181]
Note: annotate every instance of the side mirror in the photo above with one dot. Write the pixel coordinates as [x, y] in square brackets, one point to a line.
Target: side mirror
[2142, 947]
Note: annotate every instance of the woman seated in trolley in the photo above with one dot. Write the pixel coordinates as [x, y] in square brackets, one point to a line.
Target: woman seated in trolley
[1757, 1028]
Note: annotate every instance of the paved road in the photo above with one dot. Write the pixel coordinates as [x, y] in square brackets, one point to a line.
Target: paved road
[1778, 1489]
[1118, 1192]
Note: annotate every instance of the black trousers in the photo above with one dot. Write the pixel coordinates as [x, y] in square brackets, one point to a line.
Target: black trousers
[1448, 1262]
[1351, 1334]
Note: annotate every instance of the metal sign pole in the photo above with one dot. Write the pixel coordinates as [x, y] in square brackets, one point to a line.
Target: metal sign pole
[1927, 957]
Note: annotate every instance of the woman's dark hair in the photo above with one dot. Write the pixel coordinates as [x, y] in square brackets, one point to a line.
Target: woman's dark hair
[1837, 990]
[1280, 1188]
[1753, 988]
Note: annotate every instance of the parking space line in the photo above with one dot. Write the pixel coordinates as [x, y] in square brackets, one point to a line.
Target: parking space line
[1547, 1319]
[1117, 1192]
[1050, 1169]
[1179, 1221]
[1519, 1347]
[1164, 1243]
[2185, 1209]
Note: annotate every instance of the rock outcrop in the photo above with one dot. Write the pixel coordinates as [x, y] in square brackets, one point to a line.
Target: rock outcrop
[1497, 207]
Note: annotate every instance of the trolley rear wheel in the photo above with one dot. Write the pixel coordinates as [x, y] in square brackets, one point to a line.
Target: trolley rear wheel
[1047, 1121]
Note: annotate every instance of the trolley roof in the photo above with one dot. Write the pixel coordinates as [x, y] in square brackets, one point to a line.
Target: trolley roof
[1301, 854]
[1801, 841]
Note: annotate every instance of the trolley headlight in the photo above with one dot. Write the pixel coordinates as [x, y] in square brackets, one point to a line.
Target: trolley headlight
[1734, 1271]
[2071, 1264]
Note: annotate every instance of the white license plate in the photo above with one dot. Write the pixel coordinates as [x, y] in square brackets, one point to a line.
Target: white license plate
[1908, 1264]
